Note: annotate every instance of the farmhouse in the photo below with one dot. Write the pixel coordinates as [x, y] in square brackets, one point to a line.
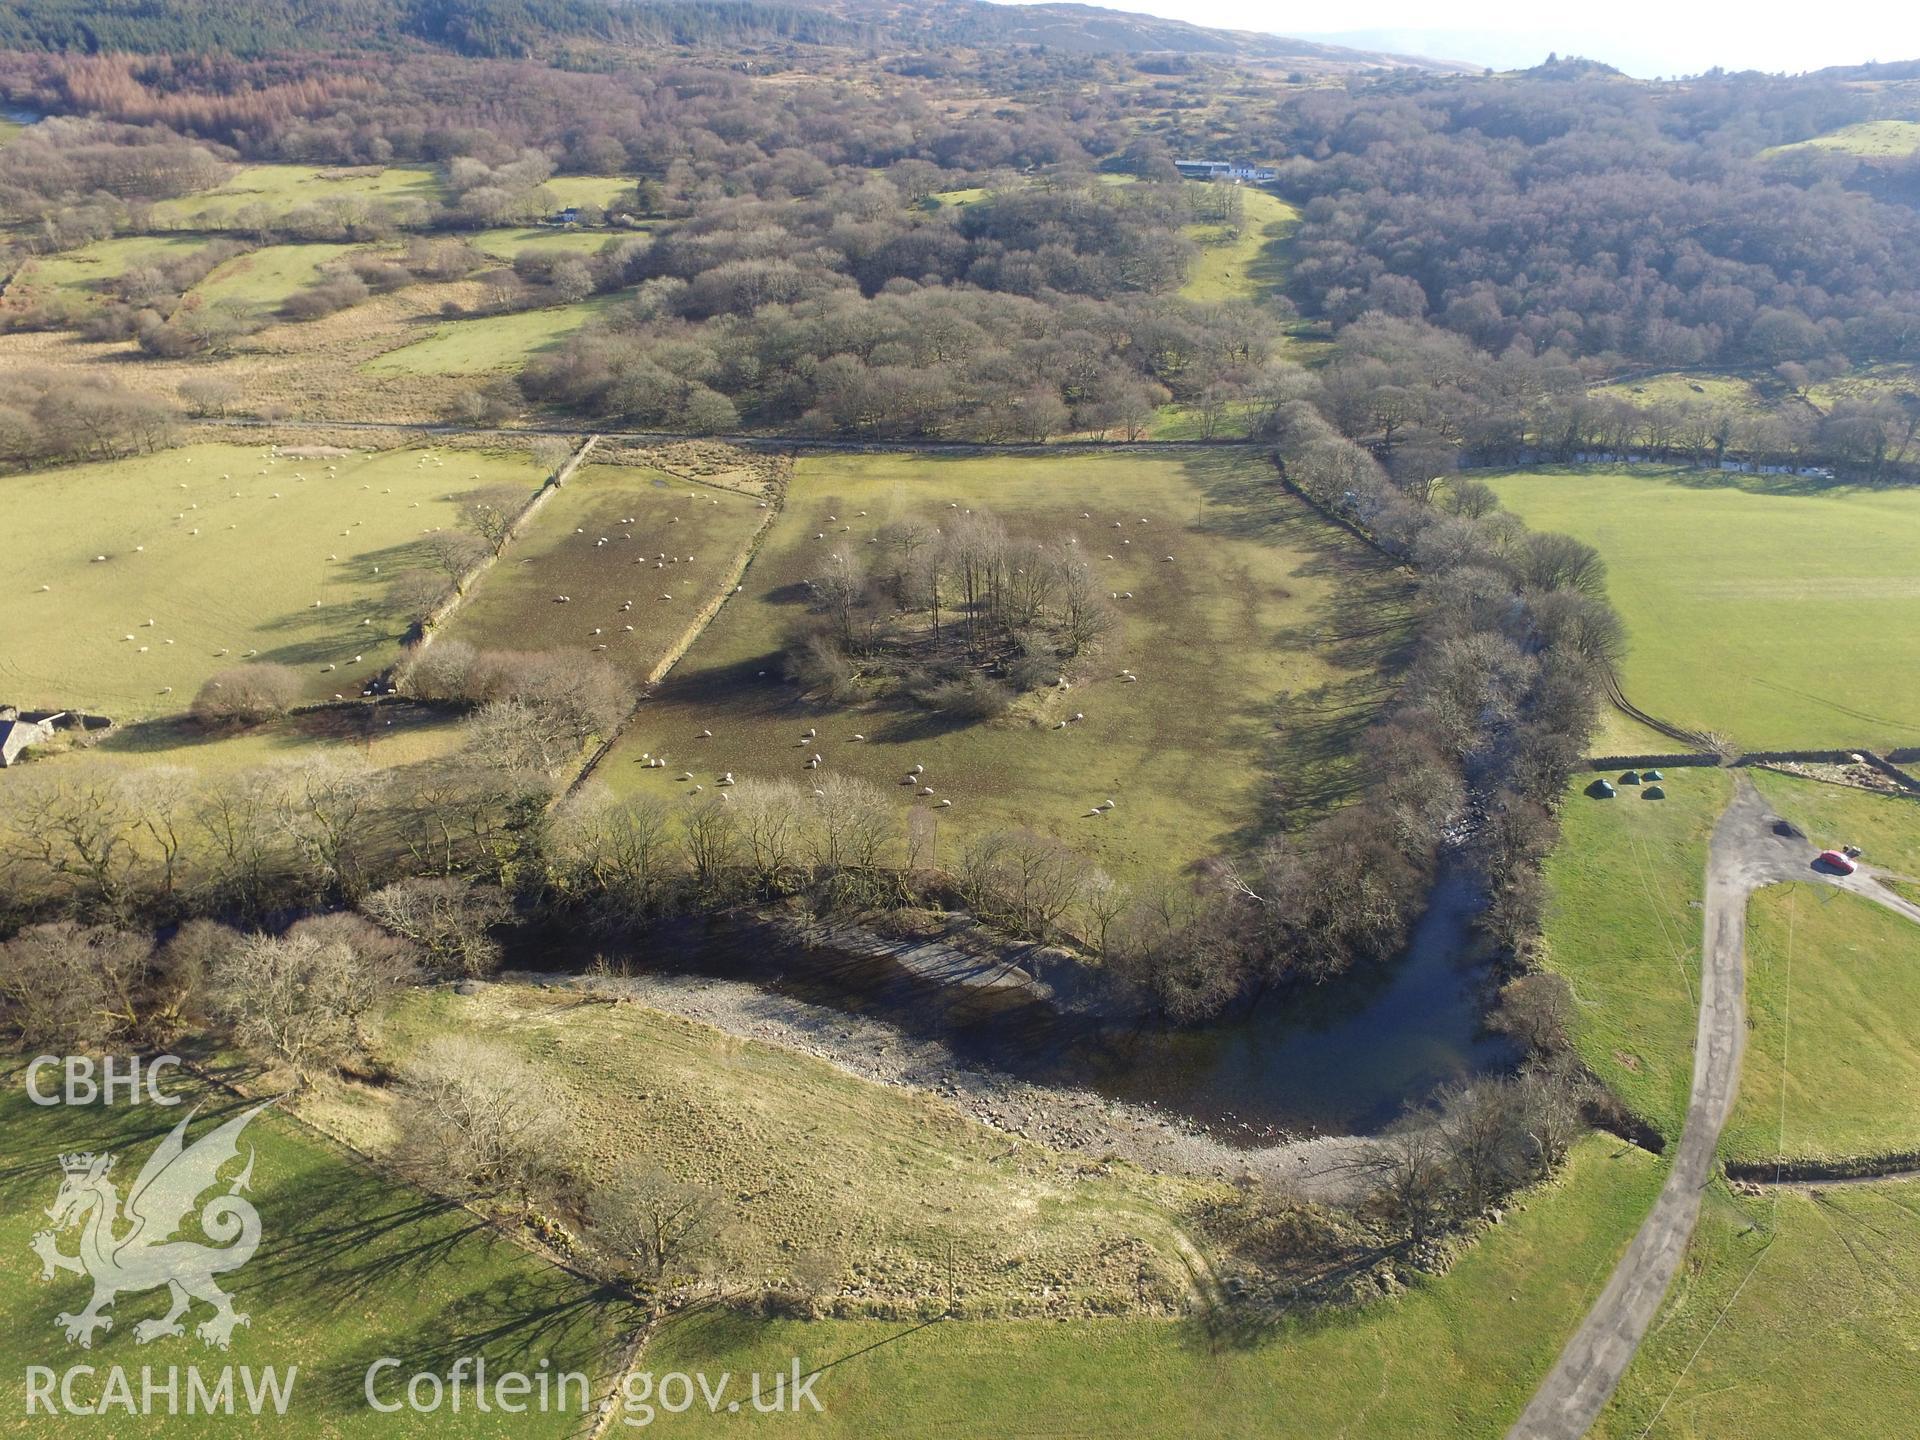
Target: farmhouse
[16, 734]
[1235, 170]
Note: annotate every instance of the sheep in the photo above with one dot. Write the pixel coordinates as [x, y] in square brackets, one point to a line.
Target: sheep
[725, 779]
[627, 628]
[811, 732]
[1078, 716]
[45, 588]
[166, 642]
[859, 737]
[1059, 724]
[1094, 814]
[926, 790]
[1106, 804]
[915, 769]
[696, 789]
[818, 794]
[666, 597]
[143, 649]
[126, 637]
[686, 775]
[1169, 557]
[705, 735]
[328, 668]
[166, 689]
[942, 804]
[356, 659]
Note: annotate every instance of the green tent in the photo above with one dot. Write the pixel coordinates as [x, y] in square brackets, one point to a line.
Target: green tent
[1601, 789]
[1652, 775]
[1653, 792]
[1630, 778]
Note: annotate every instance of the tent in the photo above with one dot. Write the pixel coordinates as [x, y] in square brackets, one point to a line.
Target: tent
[1653, 792]
[1601, 789]
[1630, 778]
[1652, 775]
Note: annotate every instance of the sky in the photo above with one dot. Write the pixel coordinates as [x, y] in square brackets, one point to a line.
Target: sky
[1646, 38]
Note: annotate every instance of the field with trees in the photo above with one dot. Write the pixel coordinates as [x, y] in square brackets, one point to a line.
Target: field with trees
[352, 1266]
[1775, 611]
[1794, 1310]
[141, 579]
[1183, 561]
[617, 541]
[1451, 1357]
[270, 277]
[493, 342]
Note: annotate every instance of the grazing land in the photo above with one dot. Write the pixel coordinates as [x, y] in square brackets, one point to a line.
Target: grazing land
[1793, 1315]
[1832, 1066]
[1878, 139]
[279, 190]
[352, 1266]
[1623, 925]
[492, 342]
[270, 277]
[509, 243]
[1453, 1357]
[682, 540]
[201, 569]
[1775, 611]
[601, 190]
[882, 1185]
[86, 269]
[1246, 261]
[391, 734]
[1262, 649]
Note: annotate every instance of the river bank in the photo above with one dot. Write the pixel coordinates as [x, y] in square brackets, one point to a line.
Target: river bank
[1322, 1168]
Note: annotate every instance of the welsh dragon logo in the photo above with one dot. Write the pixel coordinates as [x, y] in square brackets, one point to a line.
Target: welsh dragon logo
[137, 1251]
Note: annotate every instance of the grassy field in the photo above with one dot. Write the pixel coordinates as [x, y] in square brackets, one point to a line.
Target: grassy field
[90, 267]
[884, 1183]
[493, 342]
[1248, 261]
[1777, 612]
[701, 529]
[1687, 387]
[282, 188]
[1881, 139]
[1264, 648]
[392, 734]
[352, 1267]
[1623, 926]
[1832, 1066]
[508, 243]
[268, 277]
[1454, 1357]
[600, 190]
[1793, 1315]
[247, 580]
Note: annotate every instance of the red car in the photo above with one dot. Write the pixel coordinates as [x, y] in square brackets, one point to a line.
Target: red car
[1843, 863]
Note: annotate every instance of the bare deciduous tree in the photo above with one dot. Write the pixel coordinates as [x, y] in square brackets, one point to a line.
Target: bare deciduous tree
[658, 1225]
[450, 920]
[479, 1122]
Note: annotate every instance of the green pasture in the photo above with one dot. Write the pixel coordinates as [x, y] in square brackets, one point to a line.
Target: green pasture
[90, 267]
[683, 544]
[352, 1266]
[601, 190]
[492, 342]
[223, 549]
[1793, 1315]
[1873, 139]
[1260, 650]
[284, 188]
[1247, 261]
[1775, 611]
[1832, 1067]
[508, 243]
[1453, 1357]
[1623, 925]
[270, 277]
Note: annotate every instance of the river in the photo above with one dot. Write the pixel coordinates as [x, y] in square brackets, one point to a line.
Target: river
[1343, 1058]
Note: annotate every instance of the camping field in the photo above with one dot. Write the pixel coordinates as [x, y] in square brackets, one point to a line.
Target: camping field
[1773, 611]
[280, 189]
[492, 342]
[1264, 638]
[201, 569]
[1452, 1359]
[1793, 1315]
[1832, 1068]
[1623, 926]
[351, 1267]
[685, 542]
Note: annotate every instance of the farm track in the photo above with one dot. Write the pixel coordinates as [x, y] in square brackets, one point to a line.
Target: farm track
[1745, 855]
